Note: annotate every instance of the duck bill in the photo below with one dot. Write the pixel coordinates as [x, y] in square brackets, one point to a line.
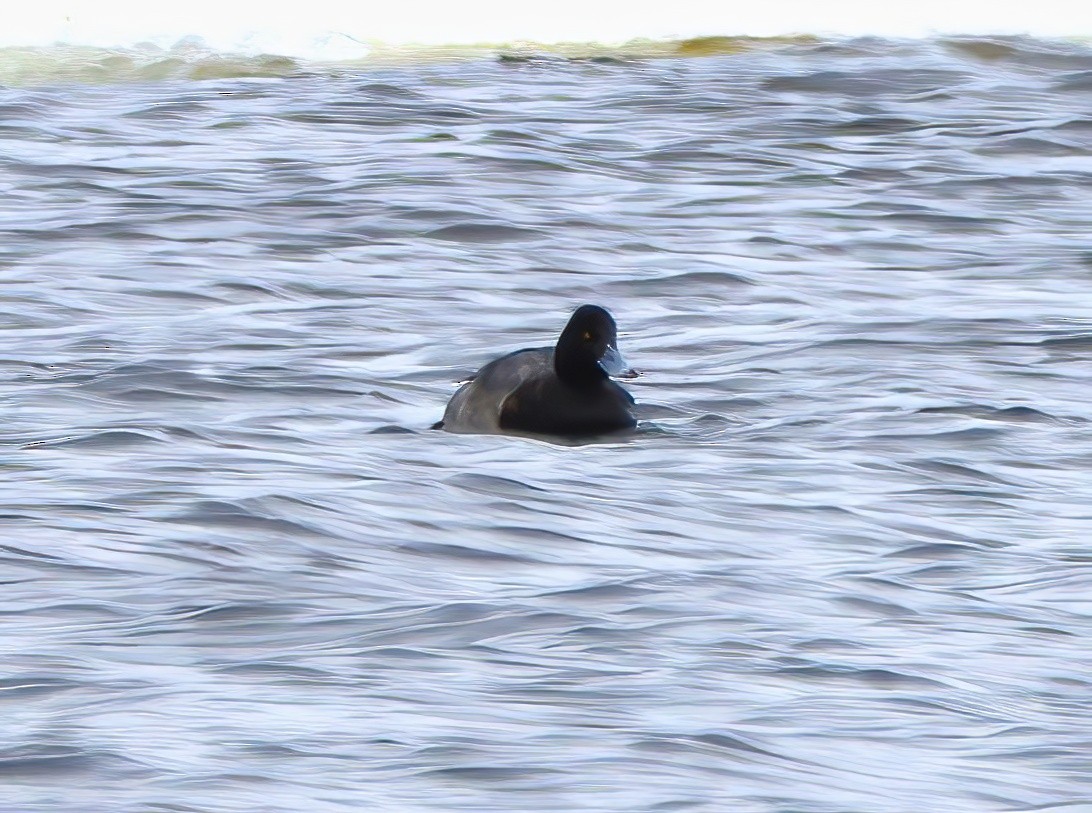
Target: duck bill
[613, 364]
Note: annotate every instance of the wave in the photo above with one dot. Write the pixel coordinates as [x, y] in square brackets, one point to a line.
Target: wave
[330, 30]
[335, 29]
[194, 59]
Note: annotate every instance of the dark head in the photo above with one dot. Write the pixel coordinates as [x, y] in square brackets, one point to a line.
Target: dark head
[587, 350]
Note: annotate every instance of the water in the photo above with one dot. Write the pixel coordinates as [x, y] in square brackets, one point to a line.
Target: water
[844, 566]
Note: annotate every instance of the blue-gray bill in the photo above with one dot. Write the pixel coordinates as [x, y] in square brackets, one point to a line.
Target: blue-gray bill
[613, 363]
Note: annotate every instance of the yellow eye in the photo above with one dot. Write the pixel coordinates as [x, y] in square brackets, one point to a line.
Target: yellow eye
[587, 336]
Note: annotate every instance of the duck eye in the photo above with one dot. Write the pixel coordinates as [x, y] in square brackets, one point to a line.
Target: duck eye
[587, 336]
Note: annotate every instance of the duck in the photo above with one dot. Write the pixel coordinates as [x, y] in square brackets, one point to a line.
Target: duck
[565, 390]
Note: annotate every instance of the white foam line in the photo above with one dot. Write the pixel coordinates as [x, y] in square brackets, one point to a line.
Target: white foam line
[339, 29]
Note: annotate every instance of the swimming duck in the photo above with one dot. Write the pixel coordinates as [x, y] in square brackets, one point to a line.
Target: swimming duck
[561, 390]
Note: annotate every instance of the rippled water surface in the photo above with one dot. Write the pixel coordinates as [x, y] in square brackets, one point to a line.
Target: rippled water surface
[844, 565]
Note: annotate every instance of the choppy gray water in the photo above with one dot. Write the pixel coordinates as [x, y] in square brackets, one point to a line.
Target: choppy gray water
[845, 565]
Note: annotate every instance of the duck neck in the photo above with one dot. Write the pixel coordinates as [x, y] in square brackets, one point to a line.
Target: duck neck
[578, 369]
